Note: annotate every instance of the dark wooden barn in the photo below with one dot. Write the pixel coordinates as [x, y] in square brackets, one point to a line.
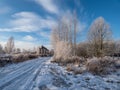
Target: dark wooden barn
[42, 51]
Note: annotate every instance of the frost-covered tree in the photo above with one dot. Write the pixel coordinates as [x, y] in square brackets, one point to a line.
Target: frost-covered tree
[10, 45]
[99, 33]
[64, 36]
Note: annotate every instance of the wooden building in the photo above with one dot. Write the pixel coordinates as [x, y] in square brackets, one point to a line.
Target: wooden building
[42, 51]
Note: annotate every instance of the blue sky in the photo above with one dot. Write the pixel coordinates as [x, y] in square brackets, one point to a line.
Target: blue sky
[30, 21]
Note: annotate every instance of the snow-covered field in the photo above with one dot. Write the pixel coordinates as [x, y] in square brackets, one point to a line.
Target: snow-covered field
[40, 74]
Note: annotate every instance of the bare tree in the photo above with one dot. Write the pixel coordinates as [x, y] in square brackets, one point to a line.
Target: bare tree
[75, 31]
[64, 36]
[98, 34]
[10, 45]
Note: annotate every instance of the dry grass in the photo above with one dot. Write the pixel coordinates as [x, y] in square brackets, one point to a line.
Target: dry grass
[69, 68]
[99, 66]
[75, 60]
[75, 69]
[23, 57]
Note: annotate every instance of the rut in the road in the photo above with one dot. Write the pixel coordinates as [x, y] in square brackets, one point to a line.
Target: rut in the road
[25, 74]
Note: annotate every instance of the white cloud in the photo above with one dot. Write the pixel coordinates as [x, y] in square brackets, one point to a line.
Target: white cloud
[27, 42]
[29, 45]
[29, 38]
[25, 45]
[45, 34]
[28, 22]
[48, 5]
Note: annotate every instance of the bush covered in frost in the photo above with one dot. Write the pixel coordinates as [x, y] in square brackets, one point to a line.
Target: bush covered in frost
[75, 60]
[100, 65]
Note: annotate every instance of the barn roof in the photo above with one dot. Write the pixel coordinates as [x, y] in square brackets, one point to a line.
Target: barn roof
[44, 47]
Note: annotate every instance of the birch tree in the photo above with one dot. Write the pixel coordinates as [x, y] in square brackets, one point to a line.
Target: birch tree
[10, 45]
[64, 36]
[98, 34]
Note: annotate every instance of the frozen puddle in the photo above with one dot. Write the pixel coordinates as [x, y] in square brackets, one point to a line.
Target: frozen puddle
[40, 74]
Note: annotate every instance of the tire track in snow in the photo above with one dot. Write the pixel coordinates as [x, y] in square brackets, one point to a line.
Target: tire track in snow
[16, 84]
[15, 74]
[30, 82]
[15, 67]
[27, 77]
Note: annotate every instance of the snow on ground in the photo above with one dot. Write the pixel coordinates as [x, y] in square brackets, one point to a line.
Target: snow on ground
[40, 74]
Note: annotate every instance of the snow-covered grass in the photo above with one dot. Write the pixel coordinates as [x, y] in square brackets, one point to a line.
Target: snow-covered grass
[106, 76]
[94, 65]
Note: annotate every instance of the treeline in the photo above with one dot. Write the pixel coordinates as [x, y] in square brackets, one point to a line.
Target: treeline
[99, 41]
[15, 53]
[9, 46]
[92, 55]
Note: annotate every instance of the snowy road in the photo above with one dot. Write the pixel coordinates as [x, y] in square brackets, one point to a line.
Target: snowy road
[21, 76]
[41, 74]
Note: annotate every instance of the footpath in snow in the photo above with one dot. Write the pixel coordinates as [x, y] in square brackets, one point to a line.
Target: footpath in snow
[40, 74]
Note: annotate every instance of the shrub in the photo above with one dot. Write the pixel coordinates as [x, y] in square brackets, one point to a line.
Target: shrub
[99, 66]
[17, 58]
[32, 56]
[23, 57]
[70, 60]
[69, 67]
[82, 50]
